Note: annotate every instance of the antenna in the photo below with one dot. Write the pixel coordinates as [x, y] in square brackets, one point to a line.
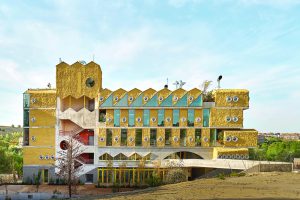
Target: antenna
[60, 60]
[219, 81]
[181, 83]
[176, 83]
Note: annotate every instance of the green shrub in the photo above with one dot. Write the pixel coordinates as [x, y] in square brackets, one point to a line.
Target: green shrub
[221, 176]
[176, 175]
[154, 180]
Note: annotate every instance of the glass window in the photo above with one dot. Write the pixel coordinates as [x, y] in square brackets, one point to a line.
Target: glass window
[153, 137]
[191, 117]
[108, 137]
[131, 118]
[26, 118]
[183, 137]
[26, 100]
[117, 117]
[176, 117]
[198, 137]
[102, 116]
[167, 137]
[206, 117]
[123, 137]
[146, 117]
[213, 136]
[138, 137]
[161, 117]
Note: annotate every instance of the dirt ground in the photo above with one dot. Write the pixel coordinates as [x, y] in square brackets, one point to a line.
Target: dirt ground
[272, 185]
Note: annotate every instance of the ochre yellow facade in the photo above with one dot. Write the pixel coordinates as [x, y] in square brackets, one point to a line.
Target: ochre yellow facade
[222, 94]
[71, 79]
[31, 155]
[41, 136]
[218, 118]
[42, 118]
[245, 138]
[43, 100]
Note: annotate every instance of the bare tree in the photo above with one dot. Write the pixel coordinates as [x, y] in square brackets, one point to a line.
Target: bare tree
[207, 95]
[67, 164]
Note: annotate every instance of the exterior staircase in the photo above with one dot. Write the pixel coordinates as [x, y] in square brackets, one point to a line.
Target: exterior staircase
[83, 118]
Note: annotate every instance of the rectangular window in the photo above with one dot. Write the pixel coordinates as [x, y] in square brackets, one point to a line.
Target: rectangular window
[161, 116]
[26, 100]
[146, 117]
[108, 137]
[102, 116]
[175, 117]
[153, 137]
[198, 137]
[213, 136]
[123, 137]
[183, 137]
[191, 117]
[26, 118]
[206, 117]
[167, 137]
[131, 118]
[138, 137]
[117, 117]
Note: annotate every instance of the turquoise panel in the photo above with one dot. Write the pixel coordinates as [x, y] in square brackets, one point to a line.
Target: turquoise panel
[182, 102]
[206, 113]
[131, 117]
[197, 102]
[123, 102]
[117, 117]
[161, 117]
[108, 102]
[167, 102]
[146, 117]
[138, 102]
[152, 102]
[191, 117]
[175, 117]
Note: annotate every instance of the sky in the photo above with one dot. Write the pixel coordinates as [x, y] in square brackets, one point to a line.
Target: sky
[254, 44]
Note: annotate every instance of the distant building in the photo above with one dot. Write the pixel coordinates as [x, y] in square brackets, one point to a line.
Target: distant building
[129, 126]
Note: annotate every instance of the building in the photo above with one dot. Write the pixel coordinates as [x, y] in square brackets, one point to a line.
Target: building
[130, 127]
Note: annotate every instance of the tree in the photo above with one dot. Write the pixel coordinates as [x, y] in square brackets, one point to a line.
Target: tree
[37, 180]
[207, 95]
[66, 163]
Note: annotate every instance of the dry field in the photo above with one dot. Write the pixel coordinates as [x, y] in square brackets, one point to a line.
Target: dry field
[273, 185]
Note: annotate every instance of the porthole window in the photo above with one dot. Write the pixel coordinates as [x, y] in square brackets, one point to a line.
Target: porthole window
[116, 98]
[124, 119]
[131, 139]
[146, 139]
[191, 98]
[175, 139]
[153, 119]
[235, 119]
[138, 119]
[146, 98]
[183, 119]
[191, 139]
[33, 138]
[160, 139]
[41, 157]
[46, 157]
[108, 119]
[64, 145]
[175, 98]
[198, 119]
[220, 156]
[33, 119]
[228, 119]
[228, 99]
[238, 156]
[235, 139]
[52, 157]
[90, 82]
[246, 156]
[33, 100]
[161, 98]
[101, 99]
[242, 157]
[235, 99]
[116, 139]
[168, 119]
[130, 98]
[228, 138]
[102, 139]
[205, 139]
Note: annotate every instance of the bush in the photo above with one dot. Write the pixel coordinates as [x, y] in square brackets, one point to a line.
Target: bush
[221, 176]
[154, 180]
[176, 175]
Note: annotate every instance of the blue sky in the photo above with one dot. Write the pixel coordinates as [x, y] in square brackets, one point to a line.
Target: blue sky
[254, 44]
